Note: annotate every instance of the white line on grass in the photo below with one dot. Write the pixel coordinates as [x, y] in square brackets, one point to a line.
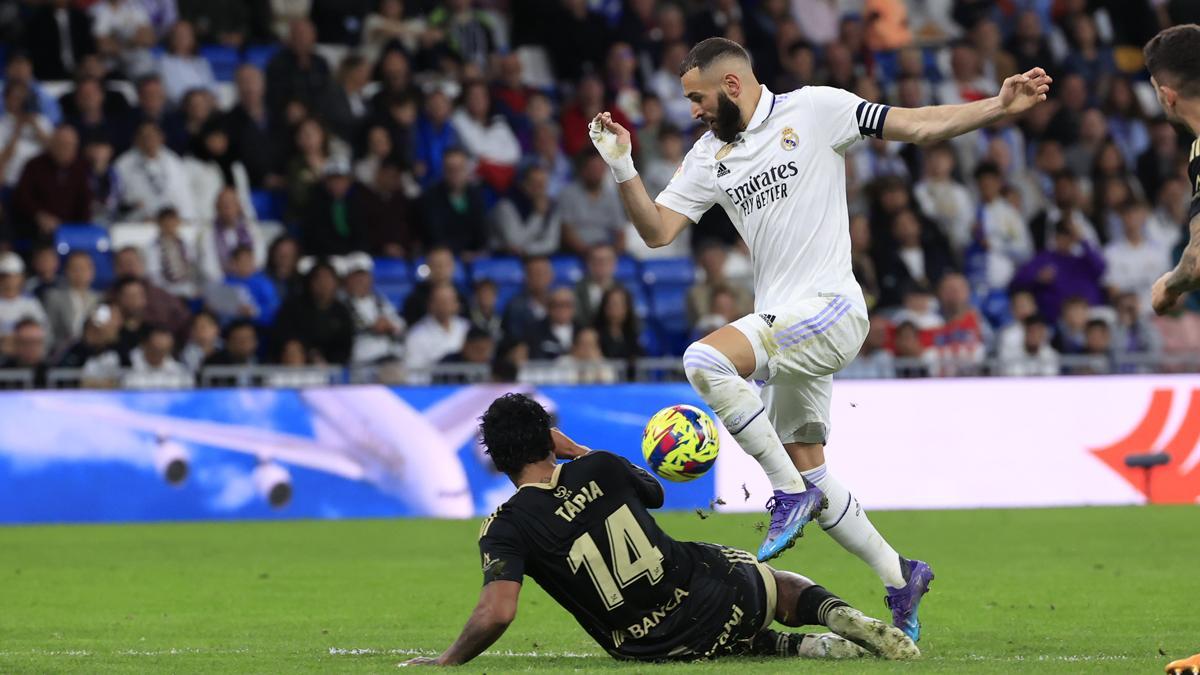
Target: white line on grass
[338, 651]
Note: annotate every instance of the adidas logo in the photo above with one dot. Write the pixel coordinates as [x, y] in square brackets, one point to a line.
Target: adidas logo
[722, 170]
[769, 318]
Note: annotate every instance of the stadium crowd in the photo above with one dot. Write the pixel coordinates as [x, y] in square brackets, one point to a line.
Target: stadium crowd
[193, 183]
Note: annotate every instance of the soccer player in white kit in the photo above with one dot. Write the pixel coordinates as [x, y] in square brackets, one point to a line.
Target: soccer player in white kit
[776, 164]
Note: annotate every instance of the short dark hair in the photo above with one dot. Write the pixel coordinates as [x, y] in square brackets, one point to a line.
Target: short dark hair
[1096, 323]
[988, 168]
[709, 51]
[239, 324]
[516, 432]
[1174, 54]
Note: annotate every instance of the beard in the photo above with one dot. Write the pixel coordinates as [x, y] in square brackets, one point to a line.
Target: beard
[728, 122]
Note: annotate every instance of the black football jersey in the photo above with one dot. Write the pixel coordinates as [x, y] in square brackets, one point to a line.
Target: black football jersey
[1194, 178]
[588, 539]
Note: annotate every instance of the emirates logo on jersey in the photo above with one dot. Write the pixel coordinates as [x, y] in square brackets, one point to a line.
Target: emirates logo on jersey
[763, 188]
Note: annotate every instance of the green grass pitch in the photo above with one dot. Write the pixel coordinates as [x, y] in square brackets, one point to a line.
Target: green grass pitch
[1064, 591]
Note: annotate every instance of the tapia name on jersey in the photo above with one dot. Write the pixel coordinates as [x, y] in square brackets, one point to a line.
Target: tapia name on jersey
[763, 188]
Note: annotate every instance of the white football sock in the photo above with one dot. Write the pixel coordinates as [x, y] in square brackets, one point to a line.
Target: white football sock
[849, 526]
[740, 408]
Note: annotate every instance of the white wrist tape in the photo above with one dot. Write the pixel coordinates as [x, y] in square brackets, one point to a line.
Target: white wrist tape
[623, 169]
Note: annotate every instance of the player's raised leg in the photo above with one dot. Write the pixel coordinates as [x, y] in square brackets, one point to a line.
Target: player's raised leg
[717, 368]
[906, 581]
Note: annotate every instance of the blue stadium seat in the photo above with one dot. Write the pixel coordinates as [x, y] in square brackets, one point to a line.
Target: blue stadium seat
[392, 270]
[267, 204]
[669, 271]
[260, 55]
[669, 303]
[224, 61]
[568, 269]
[650, 339]
[94, 240]
[394, 290]
[887, 66]
[501, 270]
[421, 272]
[504, 293]
[641, 300]
[627, 270]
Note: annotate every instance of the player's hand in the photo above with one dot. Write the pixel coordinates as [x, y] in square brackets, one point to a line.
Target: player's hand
[1162, 299]
[1021, 92]
[614, 144]
[419, 661]
[564, 447]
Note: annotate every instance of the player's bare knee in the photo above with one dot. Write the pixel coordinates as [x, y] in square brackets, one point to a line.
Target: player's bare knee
[788, 587]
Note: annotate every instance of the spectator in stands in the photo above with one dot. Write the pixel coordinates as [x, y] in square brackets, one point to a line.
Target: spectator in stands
[585, 363]
[196, 114]
[916, 259]
[861, 262]
[161, 308]
[44, 264]
[482, 311]
[528, 222]
[334, 221]
[1125, 121]
[965, 337]
[913, 359]
[23, 132]
[151, 178]
[53, 188]
[387, 213]
[19, 71]
[230, 230]
[14, 304]
[57, 36]
[439, 267]
[152, 364]
[68, 306]
[388, 26]
[487, 136]
[618, 325]
[212, 169]
[28, 351]
[204, 340]
[919, 307]
[599, 275]
[130, 297]
[172, 260]
[1021, 306]
[152, 106]
[711, 257]
[549, 155]
[1067, 206]
[283, 257]
[1097, 348]
[439, 333]
[256, 296]
[306, 166]
[590, 101]
[378, 328]
[659, 171]
[576, 37]
[1134, 263]
[946, 201]
[1088, 57]
[1156, 165]
[297, 72]
[345, 107]
[378, 150]
[241, 346]
[225, 22]
[722, 310]
[479, 349]
[453, 209]
[1070, 336]
[1035, 356]
[874, 360]
[98, 342]
[1134, 333]
[467, 33]
[394, 73]
[88, 115]
[181, 68]
[124, 35]
[553, 336]
[253, 134]
[317, 318]
[399, 118]
[591, 209]
[530, 306]
[1002, 229]
[1074, 267]
[435, 137]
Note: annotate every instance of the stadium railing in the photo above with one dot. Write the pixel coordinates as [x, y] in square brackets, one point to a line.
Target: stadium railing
[657, 369]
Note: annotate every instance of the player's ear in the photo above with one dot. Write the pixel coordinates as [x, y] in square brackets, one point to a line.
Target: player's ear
[731, 84]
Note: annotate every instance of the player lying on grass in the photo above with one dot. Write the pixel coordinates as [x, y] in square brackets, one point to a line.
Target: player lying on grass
[583, 531]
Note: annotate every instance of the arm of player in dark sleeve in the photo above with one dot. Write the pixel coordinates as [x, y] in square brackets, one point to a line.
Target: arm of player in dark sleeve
[648, 489]
[496, 609]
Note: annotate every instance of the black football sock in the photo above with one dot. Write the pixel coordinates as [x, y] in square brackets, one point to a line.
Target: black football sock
[814, 605]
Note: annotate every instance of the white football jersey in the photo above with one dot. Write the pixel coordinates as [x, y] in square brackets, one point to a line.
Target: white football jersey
[783, 184]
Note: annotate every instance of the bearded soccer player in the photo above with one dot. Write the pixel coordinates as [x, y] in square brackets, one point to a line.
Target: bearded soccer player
[583, 531]
[776, 164]
[1173, 59]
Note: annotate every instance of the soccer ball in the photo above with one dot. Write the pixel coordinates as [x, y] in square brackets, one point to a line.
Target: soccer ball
[680, 443]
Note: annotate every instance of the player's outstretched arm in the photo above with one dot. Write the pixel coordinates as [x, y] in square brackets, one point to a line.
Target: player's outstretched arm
[496, 610]
[940, 122]
[1183, 279]
[657, 225]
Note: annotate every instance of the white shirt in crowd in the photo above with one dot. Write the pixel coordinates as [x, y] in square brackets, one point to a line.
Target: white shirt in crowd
[494, 142]
[369, 346]
[783, 184]
[1133, 269]
[1019, 363]
[170, 374]
[207, 181]
[28, 145]
[951, 206]
[150, 184]
[429, 341]
[14, 309]
[1008, 241]
[181, 74]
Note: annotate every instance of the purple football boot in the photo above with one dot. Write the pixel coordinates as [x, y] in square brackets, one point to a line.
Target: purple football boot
[790, 512]
[904, 601]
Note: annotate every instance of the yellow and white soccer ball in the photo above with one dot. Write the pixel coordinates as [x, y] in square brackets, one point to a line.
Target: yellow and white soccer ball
[680, 443]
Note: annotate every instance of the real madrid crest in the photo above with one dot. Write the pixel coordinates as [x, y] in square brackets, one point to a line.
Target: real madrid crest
[789, 140]
[725, 150]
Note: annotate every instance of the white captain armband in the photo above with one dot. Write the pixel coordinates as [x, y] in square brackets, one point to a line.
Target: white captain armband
[870, 118]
